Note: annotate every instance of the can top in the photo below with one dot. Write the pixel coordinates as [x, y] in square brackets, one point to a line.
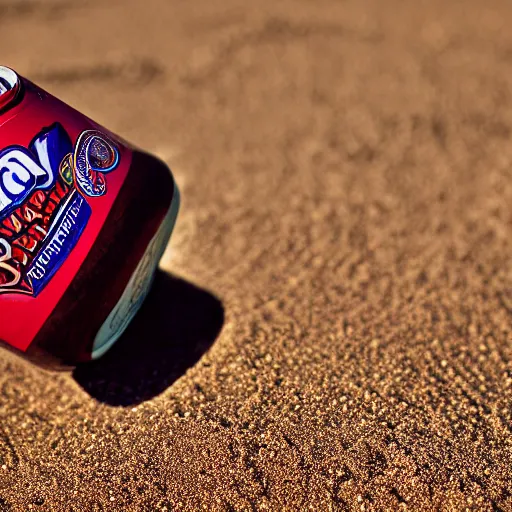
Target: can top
[9, 86]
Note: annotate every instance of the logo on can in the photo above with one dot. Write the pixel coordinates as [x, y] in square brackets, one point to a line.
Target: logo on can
[43, 202]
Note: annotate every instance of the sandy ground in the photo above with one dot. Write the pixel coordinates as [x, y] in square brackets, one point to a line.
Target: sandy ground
[334, 331]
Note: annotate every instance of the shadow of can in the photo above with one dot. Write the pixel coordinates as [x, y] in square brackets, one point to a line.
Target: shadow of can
[177, 324]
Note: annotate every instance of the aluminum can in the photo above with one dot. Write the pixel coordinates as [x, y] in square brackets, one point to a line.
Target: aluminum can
[84, 220]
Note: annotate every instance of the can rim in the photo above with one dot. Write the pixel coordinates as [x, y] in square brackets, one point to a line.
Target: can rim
[9, 86]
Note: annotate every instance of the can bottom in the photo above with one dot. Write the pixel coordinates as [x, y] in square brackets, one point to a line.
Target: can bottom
[138, 286]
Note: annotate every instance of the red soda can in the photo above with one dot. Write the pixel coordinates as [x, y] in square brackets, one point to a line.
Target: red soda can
[84, 221]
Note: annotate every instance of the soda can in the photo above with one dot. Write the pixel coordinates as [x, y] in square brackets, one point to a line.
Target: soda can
[84, 220]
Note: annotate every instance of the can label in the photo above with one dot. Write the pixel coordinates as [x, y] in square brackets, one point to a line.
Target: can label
[59, 176]
[43, 206]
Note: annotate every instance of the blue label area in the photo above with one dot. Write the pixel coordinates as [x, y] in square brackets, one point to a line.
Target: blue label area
[60, 241]
[43, 205]
[23, 171]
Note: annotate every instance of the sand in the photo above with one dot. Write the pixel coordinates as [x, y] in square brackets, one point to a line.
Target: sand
[333, 327]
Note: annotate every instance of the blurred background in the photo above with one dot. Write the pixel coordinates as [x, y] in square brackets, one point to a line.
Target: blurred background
[346, 229]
